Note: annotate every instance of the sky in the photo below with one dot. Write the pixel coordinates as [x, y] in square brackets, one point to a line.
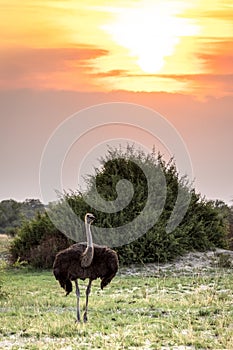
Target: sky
[59, 57]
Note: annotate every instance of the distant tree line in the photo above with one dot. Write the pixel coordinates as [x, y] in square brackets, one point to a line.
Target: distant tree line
[205, 225]
[12, 213]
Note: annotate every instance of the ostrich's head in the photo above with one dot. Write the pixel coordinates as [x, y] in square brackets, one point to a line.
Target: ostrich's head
[89, 218]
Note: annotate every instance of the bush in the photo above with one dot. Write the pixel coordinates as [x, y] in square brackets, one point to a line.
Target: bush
[203, 227]
[37, 242]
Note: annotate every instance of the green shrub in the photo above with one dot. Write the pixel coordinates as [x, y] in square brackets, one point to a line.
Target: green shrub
[37, 242]
[203, 227]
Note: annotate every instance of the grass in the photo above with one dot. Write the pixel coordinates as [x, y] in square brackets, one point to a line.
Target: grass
[4, 244]
[134, 312]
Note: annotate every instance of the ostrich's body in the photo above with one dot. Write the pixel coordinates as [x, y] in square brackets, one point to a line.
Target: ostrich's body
[85, 260]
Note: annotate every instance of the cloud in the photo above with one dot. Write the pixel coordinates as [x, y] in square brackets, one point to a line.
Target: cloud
[28, 67]
[219, 14]
[73, 68]
[214, 79]
[112, 73]
[218, 57]
[200, 85]
[201, 78]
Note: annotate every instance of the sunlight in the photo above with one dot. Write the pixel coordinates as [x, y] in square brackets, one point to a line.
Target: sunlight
[151, 32]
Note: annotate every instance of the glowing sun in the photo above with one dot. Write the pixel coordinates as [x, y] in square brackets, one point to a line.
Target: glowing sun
[151, 32]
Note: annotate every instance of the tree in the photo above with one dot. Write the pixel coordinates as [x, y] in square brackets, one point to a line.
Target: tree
[9, 214]
[12, 213]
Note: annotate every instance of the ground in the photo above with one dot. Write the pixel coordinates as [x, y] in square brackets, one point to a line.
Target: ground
[184, 305]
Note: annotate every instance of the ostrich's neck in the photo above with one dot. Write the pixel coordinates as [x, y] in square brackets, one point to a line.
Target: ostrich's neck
[88, 254]
[89, 236]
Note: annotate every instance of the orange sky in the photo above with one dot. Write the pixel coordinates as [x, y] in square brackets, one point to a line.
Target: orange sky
[144, 45]
[59, 56]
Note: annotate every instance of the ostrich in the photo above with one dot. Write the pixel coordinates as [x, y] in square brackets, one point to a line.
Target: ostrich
[85, 260]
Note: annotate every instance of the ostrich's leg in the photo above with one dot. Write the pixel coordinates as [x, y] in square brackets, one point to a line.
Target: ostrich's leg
[88, 290]
[77, 295]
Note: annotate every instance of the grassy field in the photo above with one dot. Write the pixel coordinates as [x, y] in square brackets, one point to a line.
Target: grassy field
[136, 311]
